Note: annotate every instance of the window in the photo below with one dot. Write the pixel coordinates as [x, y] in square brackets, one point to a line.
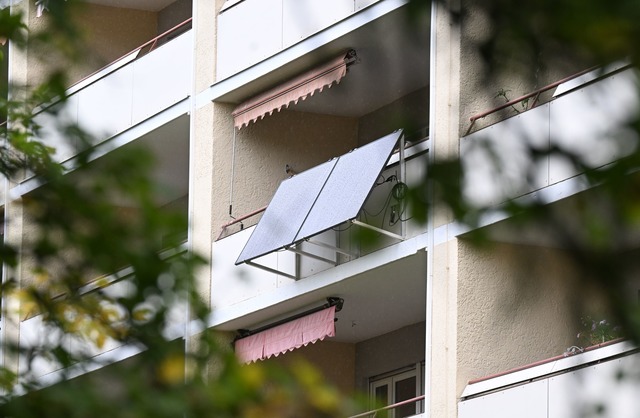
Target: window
[395, 387]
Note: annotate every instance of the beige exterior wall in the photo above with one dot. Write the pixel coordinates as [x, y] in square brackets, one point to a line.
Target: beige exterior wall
[112, 32]
[263, 149]
[516, 73]
[175, 13]
[335, 360]
[206, 137]
[495, 308]
[410, 112]
[388, 352]
[517, 304]
[109, 33]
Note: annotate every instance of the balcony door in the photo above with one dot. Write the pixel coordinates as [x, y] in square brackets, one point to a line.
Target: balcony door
[395, 388]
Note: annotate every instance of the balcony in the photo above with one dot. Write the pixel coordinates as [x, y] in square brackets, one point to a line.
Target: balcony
[275, 25]
[577, 385]
[587, 119]
[379, 336]
[140, 85]
[379, 341]
[38, 338]
[384, 222]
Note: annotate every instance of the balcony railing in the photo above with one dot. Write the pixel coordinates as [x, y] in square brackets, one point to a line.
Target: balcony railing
[142, 83]
[37, 334]
[601, 378]
[275, 25]
[535, 95]
[587, 123]
[336, 248]
[374, 413]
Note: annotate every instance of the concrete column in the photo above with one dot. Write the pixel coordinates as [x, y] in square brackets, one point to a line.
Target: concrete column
[444, 388]
[442, 391]
[18, 72]
[202, 139]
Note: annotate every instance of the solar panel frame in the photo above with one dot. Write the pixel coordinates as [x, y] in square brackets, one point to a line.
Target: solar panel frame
[348, 186]
[320, 198]
[286, 212]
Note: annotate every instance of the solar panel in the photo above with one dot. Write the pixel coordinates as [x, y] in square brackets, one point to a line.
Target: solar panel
[286, 212]
[348, 186]
[320, 198]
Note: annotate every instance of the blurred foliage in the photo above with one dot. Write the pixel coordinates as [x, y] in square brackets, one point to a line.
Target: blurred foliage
[594, 332]
[80, 235]
[557, 38]
[78, 246]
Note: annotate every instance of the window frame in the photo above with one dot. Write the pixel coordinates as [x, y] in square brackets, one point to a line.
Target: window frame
[390, 380]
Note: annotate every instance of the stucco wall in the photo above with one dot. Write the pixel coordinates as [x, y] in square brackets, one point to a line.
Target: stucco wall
[175, 13]
[517, 304]
[410, 112]
[515, 72]
[263, 149]
[335, 360]
[109, 32]
[388, 352]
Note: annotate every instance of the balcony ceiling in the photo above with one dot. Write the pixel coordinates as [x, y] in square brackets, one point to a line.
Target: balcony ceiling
[376, 302]
[393, 60]
[393, 54]
[150, 5]
[169, 148]
[382, 300]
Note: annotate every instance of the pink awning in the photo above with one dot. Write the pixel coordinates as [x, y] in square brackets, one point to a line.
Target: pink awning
[299, 88]
[287, 337]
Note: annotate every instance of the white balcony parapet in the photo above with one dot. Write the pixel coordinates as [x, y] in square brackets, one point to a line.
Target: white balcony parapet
[599, 379]
[275, 25]
[41, 337]
[123, 94]
[534, 149]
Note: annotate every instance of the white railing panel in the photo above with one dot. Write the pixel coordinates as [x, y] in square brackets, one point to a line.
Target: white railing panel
[162, 77]
[574, 386]
[253, 30]
[122, 98]
[497, 160]
[104, 107]
[611, 385]
[360, 4]
[302, 18]
[52, 125]
[591, 123]
[310, 266]
[248, 33]
[231, 284]
[527, 401]
[35, 334]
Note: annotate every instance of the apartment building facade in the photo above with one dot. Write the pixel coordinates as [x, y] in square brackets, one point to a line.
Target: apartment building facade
[290, 133]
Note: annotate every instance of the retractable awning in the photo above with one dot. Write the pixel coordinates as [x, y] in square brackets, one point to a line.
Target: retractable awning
[287, 337]
[320, 198]
[298, 88]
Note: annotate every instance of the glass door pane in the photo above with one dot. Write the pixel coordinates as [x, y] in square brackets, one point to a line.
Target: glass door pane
[405, 389]
[382, 397]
